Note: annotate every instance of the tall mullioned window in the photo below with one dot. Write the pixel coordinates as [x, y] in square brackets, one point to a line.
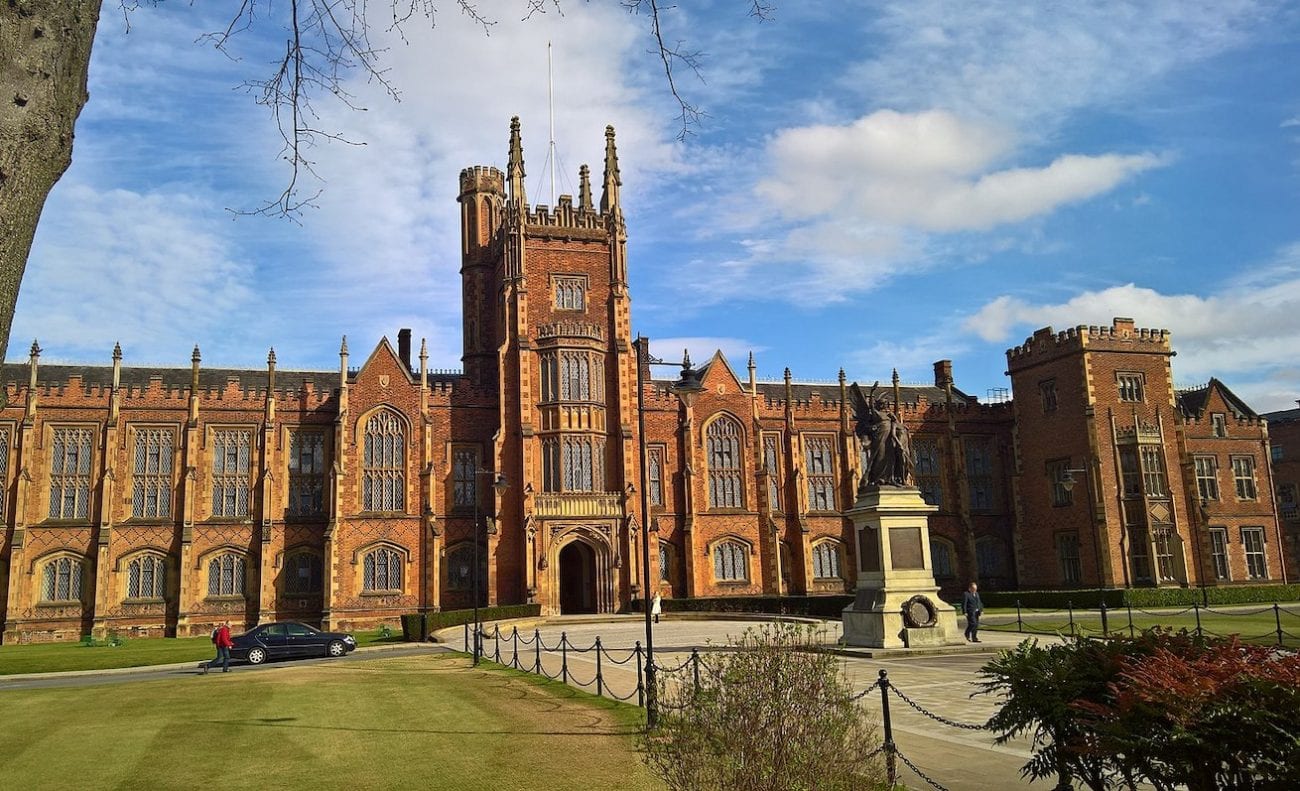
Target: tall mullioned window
[772, 466]
[1153, 471]
[1058, 475]
[1067, 553]
[1252, 538]
[464, 474]
[979, 473]
[1243, 475]
[819, 454]
[723, 440]
[927, 470]
[1130, 472]
[1219, 553]
[1047, 391]
[61, 580]
[4, 469]
[306, 474]
[573, 464]
[146, 577]
[1163, 538]
[70, 473]
[383, 470]
[152, 491]
[1207, 477]
[232, 454]
[655, 475]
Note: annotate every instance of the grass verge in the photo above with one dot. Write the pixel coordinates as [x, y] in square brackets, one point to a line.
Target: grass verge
[60, 657]
[1252, 627]
[404, 722]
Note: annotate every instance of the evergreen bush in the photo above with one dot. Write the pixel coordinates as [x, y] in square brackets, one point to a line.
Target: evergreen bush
[417, 627]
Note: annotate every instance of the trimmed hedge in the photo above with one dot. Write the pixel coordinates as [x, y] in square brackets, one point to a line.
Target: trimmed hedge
[416, 627]
[1086, 599]
[816, 606]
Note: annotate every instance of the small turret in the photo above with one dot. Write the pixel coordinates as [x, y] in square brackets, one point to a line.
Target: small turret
[515, 166]
[584, 188]
[609, 199]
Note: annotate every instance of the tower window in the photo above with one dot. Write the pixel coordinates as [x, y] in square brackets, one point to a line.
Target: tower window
[383, 470]
[1130, 387]
[1048, 392]
[70, 473]
[725, 464]
[570, 292]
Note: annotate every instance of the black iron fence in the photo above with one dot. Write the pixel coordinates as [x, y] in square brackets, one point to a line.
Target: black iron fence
[1272, 624]
[585, 667]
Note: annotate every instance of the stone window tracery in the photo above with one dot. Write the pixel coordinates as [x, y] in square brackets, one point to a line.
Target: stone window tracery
[570, 292]
[826, 561]
[927, 471]
[306, 474]
[146, 577]
[226, 575]
[730, 561]
[384, 464]
[464, 471]
[70, 473]
[655, 475]
[231, 463]
[725, 487]
[772, 466]
[820, 453]
[382, 571]
[61, 580]
[152, 491]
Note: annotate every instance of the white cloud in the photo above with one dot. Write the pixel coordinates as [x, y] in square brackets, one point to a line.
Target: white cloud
[151, 270]
[1031, 64]
[927, 170]
[701, 349]
[1252, 328]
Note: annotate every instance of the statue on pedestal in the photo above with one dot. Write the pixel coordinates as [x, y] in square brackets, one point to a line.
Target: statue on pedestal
[886, 442]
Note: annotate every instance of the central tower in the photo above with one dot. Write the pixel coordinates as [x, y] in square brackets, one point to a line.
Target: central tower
[547, 322]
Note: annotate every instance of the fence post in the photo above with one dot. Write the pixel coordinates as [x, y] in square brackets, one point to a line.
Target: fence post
[467, 637]
[1020, 624]
[496, 643]
[1277, 618]
[514, 647]
[1129, 604]
[600, 679]
[891, 764]
[1196, 608]
[640, 679]
[564, 656]
[1105, 626]
[537, 648]
[695, 661]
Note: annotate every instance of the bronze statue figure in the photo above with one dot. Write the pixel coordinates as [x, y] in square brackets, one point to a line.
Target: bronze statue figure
[886, 442]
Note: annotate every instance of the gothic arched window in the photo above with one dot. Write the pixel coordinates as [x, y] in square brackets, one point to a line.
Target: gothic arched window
[384, 465]
[382, 570]
[826, 561]
[226, 575]
[725, 490]
[302, 573]
[61, 580]
[146, 577]
[731, 561]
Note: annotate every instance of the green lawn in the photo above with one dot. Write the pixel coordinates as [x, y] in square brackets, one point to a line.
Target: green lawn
[1257, 625]
[53, 657]
[411, 722]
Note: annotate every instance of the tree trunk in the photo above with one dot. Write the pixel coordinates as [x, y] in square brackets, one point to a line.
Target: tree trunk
[44, 59]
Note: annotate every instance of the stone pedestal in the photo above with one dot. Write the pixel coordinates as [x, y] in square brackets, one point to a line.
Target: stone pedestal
[897, 603]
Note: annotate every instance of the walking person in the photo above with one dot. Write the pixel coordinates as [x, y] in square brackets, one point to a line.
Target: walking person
[973, 607]
[221, 638]
[656, 607]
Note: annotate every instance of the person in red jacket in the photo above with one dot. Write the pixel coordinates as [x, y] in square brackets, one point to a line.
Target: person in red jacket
[221, 638]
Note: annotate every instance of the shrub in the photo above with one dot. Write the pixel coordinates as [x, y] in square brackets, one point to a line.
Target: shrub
[1165, 708]
[1084, 599]
[774, 715]
[417, 627]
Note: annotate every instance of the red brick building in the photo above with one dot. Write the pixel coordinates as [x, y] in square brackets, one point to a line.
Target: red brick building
[161, 501]
[1284, 444]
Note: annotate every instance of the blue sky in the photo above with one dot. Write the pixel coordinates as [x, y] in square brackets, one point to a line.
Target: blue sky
[875, 185]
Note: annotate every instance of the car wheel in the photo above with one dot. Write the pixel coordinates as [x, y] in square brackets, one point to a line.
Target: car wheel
[336, 648]
[256, 656]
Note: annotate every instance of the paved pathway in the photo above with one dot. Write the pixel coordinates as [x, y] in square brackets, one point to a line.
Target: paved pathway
[958, 759]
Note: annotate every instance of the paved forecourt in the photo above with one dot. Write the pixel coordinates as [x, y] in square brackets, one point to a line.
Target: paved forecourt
[942, 683]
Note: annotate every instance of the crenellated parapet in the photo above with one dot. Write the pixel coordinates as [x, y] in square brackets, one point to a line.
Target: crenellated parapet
[1121, 336]
[544, 220]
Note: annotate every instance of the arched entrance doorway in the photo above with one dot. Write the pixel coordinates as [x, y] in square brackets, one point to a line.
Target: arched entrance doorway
[577, 578]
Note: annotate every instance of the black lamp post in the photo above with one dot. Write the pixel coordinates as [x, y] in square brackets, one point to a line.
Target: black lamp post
[499, 486]
[684, 386]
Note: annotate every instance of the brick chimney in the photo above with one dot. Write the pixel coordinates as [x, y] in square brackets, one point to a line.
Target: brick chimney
[404, 347]
[943, 374]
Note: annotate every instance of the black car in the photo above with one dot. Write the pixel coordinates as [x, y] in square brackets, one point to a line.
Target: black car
[288, 640]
